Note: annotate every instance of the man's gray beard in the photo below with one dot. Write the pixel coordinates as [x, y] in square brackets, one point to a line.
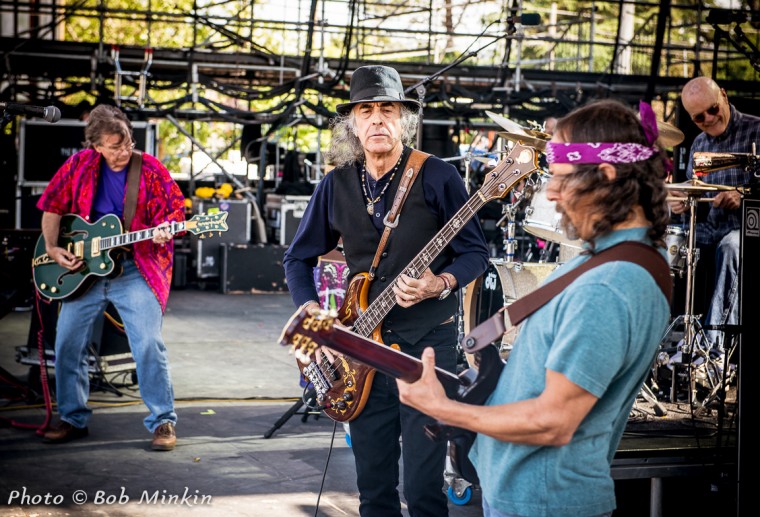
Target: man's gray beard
[568, 228]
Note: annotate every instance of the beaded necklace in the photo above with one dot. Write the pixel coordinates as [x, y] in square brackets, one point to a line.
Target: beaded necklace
[371, 202]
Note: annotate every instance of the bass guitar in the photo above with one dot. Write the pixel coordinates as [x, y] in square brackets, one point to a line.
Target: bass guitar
[306, 331]
[343, 386]
[93, 243]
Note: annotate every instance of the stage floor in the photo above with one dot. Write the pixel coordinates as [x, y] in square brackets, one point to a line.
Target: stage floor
[232, 383]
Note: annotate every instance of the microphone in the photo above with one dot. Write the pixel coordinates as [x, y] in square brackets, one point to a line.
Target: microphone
[727, 16]
[524, 19]
[49, 113]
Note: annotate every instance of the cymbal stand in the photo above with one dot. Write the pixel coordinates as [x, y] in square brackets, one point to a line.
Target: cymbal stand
[692, 328]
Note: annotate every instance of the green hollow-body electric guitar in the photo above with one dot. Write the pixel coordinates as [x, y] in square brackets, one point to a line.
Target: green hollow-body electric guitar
[93, 243]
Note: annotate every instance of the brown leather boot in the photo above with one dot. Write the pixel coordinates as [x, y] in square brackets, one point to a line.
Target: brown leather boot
[164, 438]
[64, 432]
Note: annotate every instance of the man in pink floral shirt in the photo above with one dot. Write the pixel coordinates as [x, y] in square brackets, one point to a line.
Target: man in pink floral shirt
[91, 184]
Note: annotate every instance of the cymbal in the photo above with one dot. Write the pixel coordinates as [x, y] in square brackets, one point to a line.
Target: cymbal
[670, 135]
[695, 185]
[538, 134]
[530, 141]
[505, 123]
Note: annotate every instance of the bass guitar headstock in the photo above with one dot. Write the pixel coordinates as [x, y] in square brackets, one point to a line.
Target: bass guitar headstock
[306, 331]
[520, 162]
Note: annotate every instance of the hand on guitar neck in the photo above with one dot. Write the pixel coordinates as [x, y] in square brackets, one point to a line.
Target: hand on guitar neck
[410, 290]
[161, 234]
[427, 393]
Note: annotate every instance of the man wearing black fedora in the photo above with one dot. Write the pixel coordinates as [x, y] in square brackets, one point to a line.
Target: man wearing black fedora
[371, 151]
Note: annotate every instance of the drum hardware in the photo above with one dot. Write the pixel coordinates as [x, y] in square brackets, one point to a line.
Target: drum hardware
[706, 162]
[693, 349]
[531, 141]
[517, 133]
[696, 186]
[675, 244]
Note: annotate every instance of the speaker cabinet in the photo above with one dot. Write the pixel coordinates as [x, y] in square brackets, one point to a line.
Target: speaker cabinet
[748, 348]
[44, 147]
[206, 250]
[250, 268]
[283, 215]
[108, 340]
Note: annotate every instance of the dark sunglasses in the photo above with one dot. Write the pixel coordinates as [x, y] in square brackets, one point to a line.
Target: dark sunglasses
[712, 111]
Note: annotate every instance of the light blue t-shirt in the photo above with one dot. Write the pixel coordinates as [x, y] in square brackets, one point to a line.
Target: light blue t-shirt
[602, 333]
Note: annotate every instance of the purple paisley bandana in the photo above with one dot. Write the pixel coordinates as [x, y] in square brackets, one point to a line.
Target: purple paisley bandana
[597, 152]
[601, 152]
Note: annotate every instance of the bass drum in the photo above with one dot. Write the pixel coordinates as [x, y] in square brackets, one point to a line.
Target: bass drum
[501, 284]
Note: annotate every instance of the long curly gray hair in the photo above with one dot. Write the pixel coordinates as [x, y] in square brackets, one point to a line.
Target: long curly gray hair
[345, 146]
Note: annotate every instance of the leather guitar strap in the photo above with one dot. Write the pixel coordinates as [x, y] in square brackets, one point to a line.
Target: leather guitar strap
[413, 166]
[133, 186]
[642, 254]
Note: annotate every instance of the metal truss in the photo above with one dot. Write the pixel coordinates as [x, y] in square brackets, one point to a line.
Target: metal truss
[289, 61]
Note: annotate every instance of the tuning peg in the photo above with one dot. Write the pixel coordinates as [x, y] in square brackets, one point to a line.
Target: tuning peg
[202, 236]
[219, 234]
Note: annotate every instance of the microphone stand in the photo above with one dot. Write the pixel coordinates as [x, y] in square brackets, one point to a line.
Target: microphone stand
[420, 87]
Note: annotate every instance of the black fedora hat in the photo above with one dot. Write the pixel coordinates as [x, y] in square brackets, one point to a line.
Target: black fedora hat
[376, 83]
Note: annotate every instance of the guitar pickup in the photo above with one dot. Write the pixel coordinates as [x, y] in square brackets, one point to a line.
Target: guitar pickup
[95, 247]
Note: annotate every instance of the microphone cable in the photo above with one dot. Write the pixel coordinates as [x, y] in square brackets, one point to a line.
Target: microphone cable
[327, 462]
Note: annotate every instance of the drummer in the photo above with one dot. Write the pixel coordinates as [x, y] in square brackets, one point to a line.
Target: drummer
[724, 129]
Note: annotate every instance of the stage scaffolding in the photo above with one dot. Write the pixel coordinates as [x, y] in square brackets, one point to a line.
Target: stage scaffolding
[286, 63]
[215, 59]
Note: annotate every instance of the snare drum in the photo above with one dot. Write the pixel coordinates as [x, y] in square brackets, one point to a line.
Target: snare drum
[675, 242]
[501, 284]
[543, 220]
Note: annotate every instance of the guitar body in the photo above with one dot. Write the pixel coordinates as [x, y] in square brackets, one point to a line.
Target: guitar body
[306, 332]
[56, 282]
[481, 383]
[93, 245]
[345, 385]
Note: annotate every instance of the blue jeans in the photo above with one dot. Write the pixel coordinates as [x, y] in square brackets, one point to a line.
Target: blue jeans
[724, 306]
[491, 512]
[375, 441]
[142, 316]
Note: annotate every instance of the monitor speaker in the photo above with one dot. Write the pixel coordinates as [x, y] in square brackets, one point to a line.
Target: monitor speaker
[438, 140]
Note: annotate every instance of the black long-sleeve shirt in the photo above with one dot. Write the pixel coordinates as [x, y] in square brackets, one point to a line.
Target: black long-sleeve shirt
[445, 194]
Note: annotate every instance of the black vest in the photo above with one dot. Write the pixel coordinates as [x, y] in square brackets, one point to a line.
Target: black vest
[417, 227]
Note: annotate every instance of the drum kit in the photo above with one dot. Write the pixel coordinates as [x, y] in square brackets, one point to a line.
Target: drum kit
[507, 279]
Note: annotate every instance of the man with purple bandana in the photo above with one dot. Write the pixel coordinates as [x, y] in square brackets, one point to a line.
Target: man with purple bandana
[548, 433]
[91, 184]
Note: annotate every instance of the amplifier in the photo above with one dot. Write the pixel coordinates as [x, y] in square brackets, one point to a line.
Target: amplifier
[250, 268]
[109, 353]
[206, 251]
[283, 215]
[747, 389]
